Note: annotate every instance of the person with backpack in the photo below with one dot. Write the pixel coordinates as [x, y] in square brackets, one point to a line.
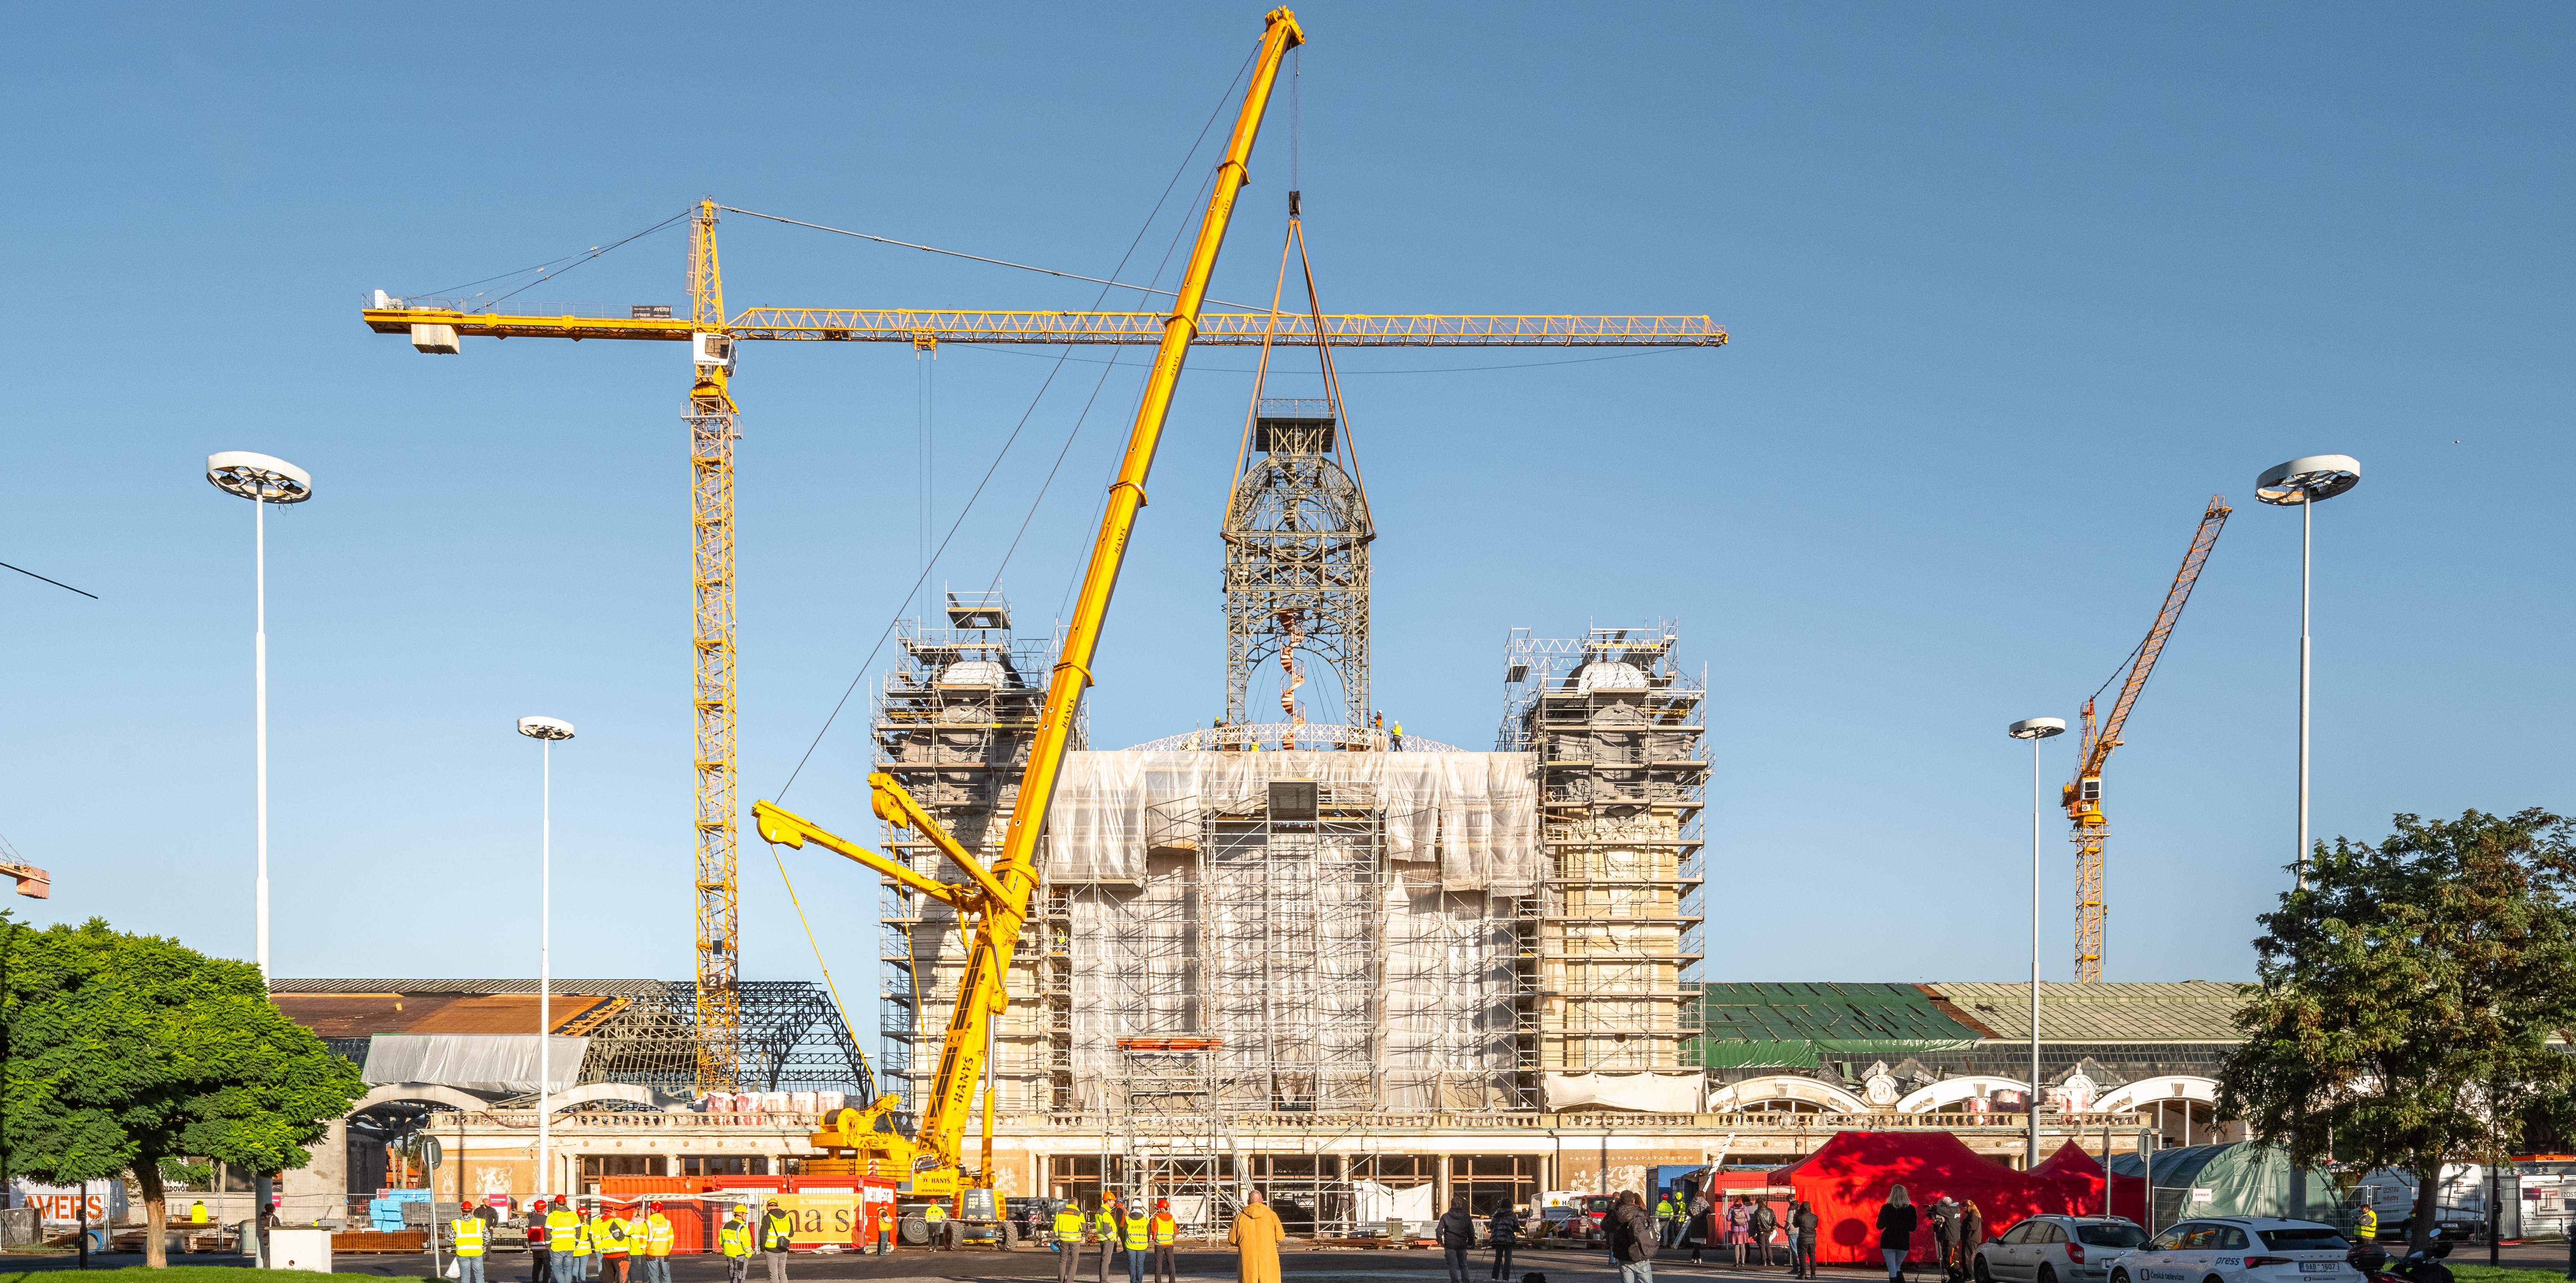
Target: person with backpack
[1699, 1227]
[1630, 1230]
[1456, 1230]
[1503, 1230]
[1764, 1223]
[1946, 1220]
[1802, 1239]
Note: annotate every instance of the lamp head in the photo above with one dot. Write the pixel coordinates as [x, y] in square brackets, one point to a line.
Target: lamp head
[265, 478]
[2318, 476]
[2036, 728]
[545, 728]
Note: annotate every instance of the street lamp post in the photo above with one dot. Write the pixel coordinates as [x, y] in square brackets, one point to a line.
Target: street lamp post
[545, 730]
[2034, 729]
[264, 480]
[2302, 484]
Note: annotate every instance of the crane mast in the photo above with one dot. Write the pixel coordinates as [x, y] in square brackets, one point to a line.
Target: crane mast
[2082, 796]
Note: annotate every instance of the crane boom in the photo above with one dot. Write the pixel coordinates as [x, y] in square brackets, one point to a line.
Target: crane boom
[2082, 796]
[908, 325]
[1000, 902]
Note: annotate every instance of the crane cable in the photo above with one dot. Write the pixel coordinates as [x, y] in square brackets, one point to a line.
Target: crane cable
[828, 985]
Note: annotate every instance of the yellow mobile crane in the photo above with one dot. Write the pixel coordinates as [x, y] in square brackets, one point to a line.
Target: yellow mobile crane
[994, 902]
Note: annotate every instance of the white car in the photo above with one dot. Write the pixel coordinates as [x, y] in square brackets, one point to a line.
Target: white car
[2241, 1249]
[2057, 1249]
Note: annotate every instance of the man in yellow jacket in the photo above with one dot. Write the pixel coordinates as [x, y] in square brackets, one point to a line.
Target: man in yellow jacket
[777, 1233]
[1068, 1240]
[608, 1246]
[734, 1236]
[1108, 1226]
[883, 1219]
[469, 1248]
[937, 1216]
[657, 1246]
[563, 1234]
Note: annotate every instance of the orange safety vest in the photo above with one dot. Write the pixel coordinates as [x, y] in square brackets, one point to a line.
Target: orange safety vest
[1164, 1229]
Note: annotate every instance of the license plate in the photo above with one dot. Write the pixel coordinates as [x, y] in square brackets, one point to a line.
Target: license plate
[2318, 1267]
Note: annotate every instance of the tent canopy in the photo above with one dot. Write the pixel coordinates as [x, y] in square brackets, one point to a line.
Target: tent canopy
[1848, 1180]
[2086, 1179]
[2241, 1179]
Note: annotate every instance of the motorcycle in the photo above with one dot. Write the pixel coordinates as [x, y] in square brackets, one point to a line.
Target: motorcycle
[2418, 1266]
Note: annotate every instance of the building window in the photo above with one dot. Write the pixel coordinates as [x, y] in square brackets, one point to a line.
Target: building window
[724, 1165]
[597, 1165]
[1492, 1182]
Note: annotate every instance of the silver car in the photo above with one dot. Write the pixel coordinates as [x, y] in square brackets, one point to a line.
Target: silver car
[2059, 1249]
[2241, 1249]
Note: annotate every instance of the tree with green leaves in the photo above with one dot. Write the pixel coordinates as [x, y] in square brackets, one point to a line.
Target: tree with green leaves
[2408, 998]
[127, 1052]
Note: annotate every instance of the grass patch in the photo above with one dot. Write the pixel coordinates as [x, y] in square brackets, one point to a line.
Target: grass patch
[2499, 1274]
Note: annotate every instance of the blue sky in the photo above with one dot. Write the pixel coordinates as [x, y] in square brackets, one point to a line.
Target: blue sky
[2014, 290]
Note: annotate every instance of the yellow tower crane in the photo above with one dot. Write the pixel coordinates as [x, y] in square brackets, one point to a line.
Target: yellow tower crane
[2082, 796]
[441, 326]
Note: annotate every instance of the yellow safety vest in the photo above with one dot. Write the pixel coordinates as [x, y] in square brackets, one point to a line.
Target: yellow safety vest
[735, 1237]
[1068, 1224]
[1164, 1228]
[657, 1235]
[1135, 1233]
[885, 1218]
[469, 1235]
[776, 1228]
[610, 1233]
[196, 1213]
[934, 1213]
[563, 1233]
[1105, 1224]
[2367, 1223]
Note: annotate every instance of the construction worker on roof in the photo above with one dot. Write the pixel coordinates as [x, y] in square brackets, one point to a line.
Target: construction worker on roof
[1069, 1221]
[884, 1218]
[563, 1234]
[469, 1248]
[734, 1237]
[657, 1246]
[1105, 1226]
[1165, 1231]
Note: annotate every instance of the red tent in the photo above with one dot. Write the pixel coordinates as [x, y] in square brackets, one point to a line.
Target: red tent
[1849, 1178]
[2083, 1175]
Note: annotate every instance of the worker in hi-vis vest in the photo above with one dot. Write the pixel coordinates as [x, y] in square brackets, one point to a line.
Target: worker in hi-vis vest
[936, 1215]
[1164, 1231]
[1136, 1243]
[563, 1233]
[469, 1248]
[777, 1232]
[1107, 1225]
[608, 1246]
[734, 1236]
[1068, 1239]
[657, 1246]
[884, 1221]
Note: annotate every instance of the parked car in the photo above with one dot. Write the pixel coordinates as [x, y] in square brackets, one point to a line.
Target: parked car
[2241, 1249]
[1578, 1225]
[2058, 1249]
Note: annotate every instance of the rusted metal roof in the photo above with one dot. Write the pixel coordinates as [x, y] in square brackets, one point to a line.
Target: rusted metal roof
[368, 1013]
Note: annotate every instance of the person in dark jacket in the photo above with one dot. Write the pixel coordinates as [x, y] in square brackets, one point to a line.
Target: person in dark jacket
[1764, 1224]
[1802, 1239]
[1456, 1231]
[1699, 1227]
[1897, 1220]
[1947, 1217]
[1972, 1234]
[1503, 1229]
[1631, 1234]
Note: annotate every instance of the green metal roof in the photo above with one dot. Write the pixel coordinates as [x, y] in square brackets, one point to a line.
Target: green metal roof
[1790, 1025]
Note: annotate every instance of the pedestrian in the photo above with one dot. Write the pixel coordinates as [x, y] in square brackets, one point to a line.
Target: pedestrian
[1456, 1231]
[884, 1222]
[563, 1234]
[657, 1246]
[469, 1249]
[936, 1217]
[777, 1229]
[1972, 1234]
[1802, 1239]
[541, 1262]
[1946, 1214]
[1699, 1227]
[1897, 1219]
[734, 1236]
[1110, 1224]
[1764, 1223]
[1666, 1216]
[1630, 1230]
[1164, 1231]
[1256, 1237]
[1069, 1221]
[1739, 1225]
[1503, 1230]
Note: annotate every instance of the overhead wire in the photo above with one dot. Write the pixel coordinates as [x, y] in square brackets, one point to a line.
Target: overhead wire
[888, 631]
[952, 253]
[583, 256]
[60, 584]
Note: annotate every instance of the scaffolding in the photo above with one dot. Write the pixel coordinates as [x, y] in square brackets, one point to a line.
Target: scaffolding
[1616, 724]
[954, 721]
